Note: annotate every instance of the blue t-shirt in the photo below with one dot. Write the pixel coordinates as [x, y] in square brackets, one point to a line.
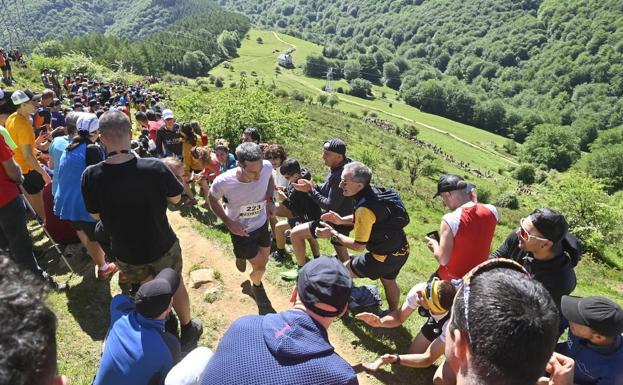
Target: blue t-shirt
[137, 350]
[58, 119]
[231, 163]
[285, 348]
[57, 147]
[594, 365]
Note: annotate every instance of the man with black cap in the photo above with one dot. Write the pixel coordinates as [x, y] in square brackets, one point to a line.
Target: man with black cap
[595, 339]
[291, 347]
[466, 233]
[330, 197]
[543, 245]
[137, 350]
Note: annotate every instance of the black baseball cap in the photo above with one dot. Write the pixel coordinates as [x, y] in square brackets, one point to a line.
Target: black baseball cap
[550, 223]
[335, 145]
[450, 182]
[598, 313]
[324, 280]
[154, 297]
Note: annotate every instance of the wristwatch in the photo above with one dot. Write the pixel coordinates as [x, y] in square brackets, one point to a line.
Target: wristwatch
[335, 237]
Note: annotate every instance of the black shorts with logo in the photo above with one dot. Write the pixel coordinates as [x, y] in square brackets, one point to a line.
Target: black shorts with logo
[248, 247]
[33, 182]
[367, 266]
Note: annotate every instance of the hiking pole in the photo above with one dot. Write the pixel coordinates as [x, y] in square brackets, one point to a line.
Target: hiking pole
[40, 222]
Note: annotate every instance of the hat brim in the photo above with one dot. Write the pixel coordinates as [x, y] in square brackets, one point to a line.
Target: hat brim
[570, 308]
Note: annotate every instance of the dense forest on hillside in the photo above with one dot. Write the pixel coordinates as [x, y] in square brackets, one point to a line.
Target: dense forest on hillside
[31, 21]
[506, 66]
[189, 47]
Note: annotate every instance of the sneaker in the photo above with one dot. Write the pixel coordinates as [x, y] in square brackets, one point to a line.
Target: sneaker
[261, 299]
[290, 275]
[279, 255]
[190, 333]
[108, 272]
[241, 264]
[288, 236]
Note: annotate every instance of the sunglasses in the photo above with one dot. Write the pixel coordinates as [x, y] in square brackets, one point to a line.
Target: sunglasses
[488, 265]
[525, 235]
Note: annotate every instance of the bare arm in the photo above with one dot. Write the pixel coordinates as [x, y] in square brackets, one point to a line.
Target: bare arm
[426, 359]
[174, 199]
[443, 249]
[393, 319]
[26, 150]
[13, 171]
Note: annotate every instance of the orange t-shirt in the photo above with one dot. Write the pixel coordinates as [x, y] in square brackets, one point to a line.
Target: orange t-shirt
[20, 129]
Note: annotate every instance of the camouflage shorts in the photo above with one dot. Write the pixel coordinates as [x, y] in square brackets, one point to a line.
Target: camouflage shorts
[138, 273]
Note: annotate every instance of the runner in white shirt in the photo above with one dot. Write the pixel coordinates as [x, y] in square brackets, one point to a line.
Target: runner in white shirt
[248, 190]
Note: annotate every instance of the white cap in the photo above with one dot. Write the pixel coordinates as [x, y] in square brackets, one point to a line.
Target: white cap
[88, 122]
[18, 97]
[167, 114]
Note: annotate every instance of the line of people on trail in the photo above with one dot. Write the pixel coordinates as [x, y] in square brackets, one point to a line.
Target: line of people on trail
[496, 317]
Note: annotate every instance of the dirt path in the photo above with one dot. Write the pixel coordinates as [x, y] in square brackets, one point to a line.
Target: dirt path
[232, 303]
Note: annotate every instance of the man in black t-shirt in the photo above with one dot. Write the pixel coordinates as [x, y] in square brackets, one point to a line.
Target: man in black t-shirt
[169, 137]
[130, 195]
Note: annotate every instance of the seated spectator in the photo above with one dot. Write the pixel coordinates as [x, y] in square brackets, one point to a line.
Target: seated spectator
[297, 207]
[28, 333]
[226, 159]
[137, 350]
[595, 340]
[503, 329]
[432, 299]
[546, 250]
[291, 347]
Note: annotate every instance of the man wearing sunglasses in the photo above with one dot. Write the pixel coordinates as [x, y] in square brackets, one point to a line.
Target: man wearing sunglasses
[543, 245]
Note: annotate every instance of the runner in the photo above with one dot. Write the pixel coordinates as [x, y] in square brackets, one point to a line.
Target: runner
[248, 189]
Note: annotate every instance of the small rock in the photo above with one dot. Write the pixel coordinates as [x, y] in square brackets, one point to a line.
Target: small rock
[201, 276]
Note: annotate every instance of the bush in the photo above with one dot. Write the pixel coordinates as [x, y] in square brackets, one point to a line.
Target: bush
[398, 163]
[360, 88]
[218, 83]
[340, 90]
[297, 95]
[525, 173]
[281, 93]
[507, 200]
[373, 114]
[484, 195]
[259, 40]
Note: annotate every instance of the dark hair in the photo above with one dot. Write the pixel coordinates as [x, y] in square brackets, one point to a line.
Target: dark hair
[83, 137]
[196, 127]
[275, 151]
[446, 294]
[290, 167]
[151, 116]
[70, 122]
[28, 332]
[189, 134]
[140, 116]
[513, 326]
[254, 133]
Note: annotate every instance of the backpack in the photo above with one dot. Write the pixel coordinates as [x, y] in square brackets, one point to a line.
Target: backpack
[363, 298]
[397, 214]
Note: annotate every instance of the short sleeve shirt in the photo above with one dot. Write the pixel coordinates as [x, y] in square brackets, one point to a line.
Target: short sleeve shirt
[364, 220]
[7, 138]
[22, 133]
[246, 202]
[8, 188]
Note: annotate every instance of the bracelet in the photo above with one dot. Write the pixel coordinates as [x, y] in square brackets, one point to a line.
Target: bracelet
[397, 362]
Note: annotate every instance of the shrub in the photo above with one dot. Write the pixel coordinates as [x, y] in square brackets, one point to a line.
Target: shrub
[281, 93]
[297, 95]
[507, 200]
[398, 163]
[259, 40]
[218, 83]
[525, 173]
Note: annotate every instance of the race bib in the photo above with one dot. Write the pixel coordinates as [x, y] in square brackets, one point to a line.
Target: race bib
[252, 210]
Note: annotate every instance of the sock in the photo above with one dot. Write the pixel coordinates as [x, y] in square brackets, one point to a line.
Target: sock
[260, 285]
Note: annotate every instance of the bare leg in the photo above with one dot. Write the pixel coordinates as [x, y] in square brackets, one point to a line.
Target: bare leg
[298, 236]
[313, 245]
[93, 248]
[280, 237]
[258, 265]
[392, 293]
[444, 375]
[181, 303]
[419, 344]
[342, 253]
[36, 201]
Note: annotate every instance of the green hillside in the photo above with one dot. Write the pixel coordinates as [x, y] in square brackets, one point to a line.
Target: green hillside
[502, 65]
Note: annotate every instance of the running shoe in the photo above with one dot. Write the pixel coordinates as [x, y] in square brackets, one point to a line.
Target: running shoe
[190, 333]
[261, 298]
[290, 275]
[241, 264]
[279, 256]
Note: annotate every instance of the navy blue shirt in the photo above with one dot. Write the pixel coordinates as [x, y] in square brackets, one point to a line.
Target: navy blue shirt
[137, 350]
[594, 365]
[285, 348]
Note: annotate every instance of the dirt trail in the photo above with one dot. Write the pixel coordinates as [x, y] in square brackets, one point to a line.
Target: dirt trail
[232, 303]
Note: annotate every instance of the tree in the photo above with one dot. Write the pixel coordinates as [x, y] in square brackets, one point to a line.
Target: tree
[554, 147]
[391, 75]
[229, 42]
[333, 100]
[315, 66]
[259, 40]
[322, 99]
[369, 68]
[352, 70]
[525, 173]
[360, 88]
[605, 164]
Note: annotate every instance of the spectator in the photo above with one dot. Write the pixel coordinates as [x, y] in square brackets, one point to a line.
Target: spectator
[59, 144]
[595, 340]
[153, 125]
[57, 118]
[225, 158]
[6, 109]
[6, 77]
[297, 207]
[379, 219]
[249, 192]
[330, 197]
[291, 347]
[190, 164]
[28, 333]
[208, 168]
[251, 134]
[432, 299]
[503, 327]
[18, 125]
[42, 118]
[205, 141]
[169, 137]
[276, 155]
[130, 195]
[68, 201]
[465, 233]
[137, 350]
[543, 245]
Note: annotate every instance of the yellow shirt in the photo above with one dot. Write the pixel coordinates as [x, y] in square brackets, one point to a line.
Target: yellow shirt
[364, 220]
[189, 162]
[20, 129]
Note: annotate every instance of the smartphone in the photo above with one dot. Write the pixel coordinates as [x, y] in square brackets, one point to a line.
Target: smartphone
[434, 235]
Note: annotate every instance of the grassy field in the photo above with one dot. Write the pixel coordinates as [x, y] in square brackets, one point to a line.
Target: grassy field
[261, 59]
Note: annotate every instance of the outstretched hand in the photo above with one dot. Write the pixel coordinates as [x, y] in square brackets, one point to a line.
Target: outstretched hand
[382, 360]
[332, 217]
[369, 318]
[303, 185]
[560, 368]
